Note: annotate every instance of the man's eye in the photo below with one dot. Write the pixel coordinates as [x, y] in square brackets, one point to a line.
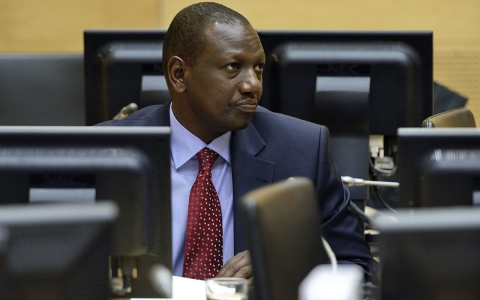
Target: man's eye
[259, 67]
[232, 66]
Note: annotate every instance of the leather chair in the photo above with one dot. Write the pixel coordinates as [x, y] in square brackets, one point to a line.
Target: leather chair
[283, 230]
[458, 117]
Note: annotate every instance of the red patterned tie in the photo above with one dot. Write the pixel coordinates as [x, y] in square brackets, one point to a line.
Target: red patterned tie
[203, 256]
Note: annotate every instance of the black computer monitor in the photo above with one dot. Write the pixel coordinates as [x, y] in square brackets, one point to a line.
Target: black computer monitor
[438, 167]
[430, 253]
[129, 165]
[42, 89]
[358, 83]
[4, 236]
[122, 67]
[57, 251]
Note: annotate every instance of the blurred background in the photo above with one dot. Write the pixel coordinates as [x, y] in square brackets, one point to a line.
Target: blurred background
[56, 26]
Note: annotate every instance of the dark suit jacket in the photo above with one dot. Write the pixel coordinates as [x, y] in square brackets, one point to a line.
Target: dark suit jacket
[275, 147]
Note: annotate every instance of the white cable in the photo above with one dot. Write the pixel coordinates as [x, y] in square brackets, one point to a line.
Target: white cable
[331, 255]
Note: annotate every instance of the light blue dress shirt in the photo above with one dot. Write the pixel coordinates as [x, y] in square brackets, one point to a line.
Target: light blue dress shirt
[184, 169]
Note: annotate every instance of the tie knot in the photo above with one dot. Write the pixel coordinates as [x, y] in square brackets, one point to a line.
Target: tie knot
[206, 158]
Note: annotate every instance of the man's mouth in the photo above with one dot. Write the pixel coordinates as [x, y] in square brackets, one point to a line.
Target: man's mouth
[249, 106]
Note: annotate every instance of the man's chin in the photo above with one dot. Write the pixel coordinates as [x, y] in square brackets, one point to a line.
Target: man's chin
[243, 123]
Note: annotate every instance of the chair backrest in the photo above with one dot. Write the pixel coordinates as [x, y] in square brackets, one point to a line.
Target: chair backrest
[458, 117]
[283, 229]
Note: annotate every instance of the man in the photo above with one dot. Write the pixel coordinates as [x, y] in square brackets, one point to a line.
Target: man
[213, 61]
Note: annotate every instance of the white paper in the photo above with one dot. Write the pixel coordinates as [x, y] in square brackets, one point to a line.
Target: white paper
[185, 289]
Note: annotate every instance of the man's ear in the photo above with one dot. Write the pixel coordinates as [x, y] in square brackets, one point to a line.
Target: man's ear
[176, 73]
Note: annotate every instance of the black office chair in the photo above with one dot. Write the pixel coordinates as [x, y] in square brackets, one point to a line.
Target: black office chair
[458, 117]
[283, 229]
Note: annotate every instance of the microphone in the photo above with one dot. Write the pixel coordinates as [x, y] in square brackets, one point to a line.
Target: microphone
[161, 280]
[350, 181]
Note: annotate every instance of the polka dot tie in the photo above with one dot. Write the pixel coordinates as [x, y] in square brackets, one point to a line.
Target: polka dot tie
[203, 256]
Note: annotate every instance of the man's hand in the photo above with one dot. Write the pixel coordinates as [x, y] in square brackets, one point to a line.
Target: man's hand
[238, 266]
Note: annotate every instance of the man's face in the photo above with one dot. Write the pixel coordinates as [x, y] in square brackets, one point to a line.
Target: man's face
[224, 86]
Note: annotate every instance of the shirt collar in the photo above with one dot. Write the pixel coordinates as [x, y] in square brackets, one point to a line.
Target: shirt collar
[185, 144]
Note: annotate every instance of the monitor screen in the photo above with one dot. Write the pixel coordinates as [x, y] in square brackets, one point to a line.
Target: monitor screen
[438, 167]
[430, 253]
[57, 251]
[122, 67]
[129, 165]
[362, 85]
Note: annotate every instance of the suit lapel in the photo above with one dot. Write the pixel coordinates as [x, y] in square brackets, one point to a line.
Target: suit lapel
[248, 172]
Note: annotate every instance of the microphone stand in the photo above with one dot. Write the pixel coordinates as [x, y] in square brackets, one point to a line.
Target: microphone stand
[350, 181]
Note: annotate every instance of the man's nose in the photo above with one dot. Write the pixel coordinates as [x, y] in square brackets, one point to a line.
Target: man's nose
[251, 83]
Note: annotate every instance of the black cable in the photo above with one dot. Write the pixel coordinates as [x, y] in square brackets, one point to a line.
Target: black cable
[374, 174]
[380, 198]
[362, 215]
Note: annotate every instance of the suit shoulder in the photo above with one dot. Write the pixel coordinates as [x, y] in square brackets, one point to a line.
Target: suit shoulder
[264, 117]
[138, 118]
